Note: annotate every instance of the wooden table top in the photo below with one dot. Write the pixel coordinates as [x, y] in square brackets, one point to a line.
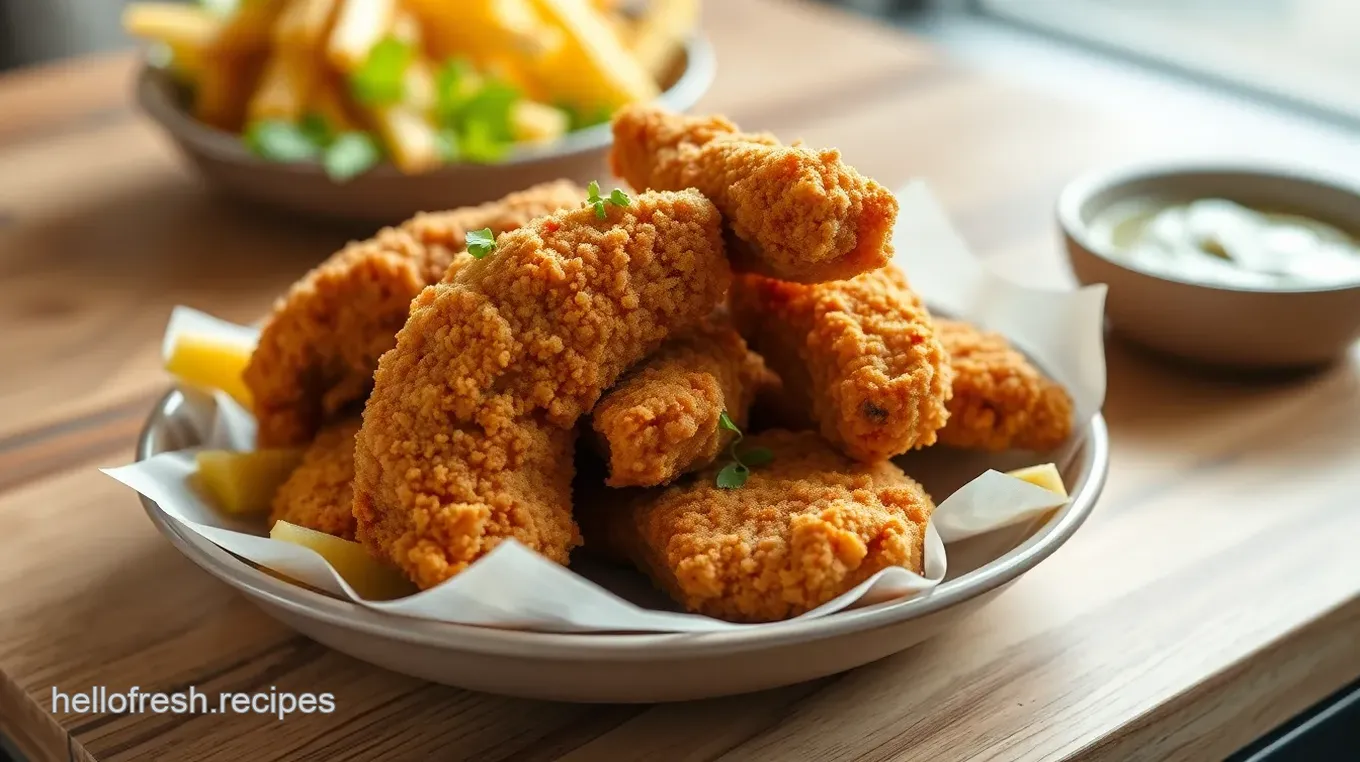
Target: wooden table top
[1214, 593]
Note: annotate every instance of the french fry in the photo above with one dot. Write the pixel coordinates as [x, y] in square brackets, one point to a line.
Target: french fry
[419, 86]
[224, 88]
[285, 86]
[484, 31]
[231, 65]
[328, 101]
[406, 28]
[660, 32]
[186, 30]
[304, 23]
[359, 24]
[537, 123]
[409, 136]
[179, 26]
[247, 31]
[591, 69]
[292, 69]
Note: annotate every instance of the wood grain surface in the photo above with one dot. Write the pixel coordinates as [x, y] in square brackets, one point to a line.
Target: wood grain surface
[1214, 593]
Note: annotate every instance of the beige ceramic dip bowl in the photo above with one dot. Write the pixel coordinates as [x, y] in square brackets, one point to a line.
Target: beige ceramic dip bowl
[1216, 324]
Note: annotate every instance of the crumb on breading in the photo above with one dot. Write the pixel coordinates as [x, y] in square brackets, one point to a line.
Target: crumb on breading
[662, 419]
[468, 435]
[318, 494]
[321, 343]
[1000, 400]
[797, 214]
[804, 529]
[859, 359]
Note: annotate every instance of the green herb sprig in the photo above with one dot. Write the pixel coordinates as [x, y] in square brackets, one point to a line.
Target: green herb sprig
[475, 113]
[343, 155]
[734, 474]
[381, 79]
[617, 198]
[480, 243]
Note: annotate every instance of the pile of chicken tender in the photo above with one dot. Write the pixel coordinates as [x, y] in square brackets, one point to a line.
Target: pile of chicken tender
[706, 377]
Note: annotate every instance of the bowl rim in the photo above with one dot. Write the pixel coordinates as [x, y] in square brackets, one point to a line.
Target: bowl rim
[152, 95]
[316, 606]
[1114, 178]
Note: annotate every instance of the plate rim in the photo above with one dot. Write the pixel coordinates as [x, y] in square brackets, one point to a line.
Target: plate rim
[612, 646]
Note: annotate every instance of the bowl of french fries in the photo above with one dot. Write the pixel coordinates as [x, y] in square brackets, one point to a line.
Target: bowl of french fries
[372, 110]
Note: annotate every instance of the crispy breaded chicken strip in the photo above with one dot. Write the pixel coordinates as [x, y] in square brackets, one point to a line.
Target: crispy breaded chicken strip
[318, 495]
[468, 434]
[805, 528]
[661, 420]
[798, 214]
[321, 344]
[1000, 400]
[859, 358]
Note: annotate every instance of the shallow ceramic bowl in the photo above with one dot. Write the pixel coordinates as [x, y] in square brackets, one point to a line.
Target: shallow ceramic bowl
[649, 667]
[384, 195]
[1218, 325]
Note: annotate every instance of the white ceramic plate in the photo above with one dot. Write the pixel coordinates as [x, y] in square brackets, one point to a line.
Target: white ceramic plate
[647, 667]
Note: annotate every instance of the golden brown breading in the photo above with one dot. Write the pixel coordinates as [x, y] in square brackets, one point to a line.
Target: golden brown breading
[661, 420]
[319, 493]
[804, 529]
[1000, 400]
[467, 437]
[321, 344]
[858, 358]
[802, 215]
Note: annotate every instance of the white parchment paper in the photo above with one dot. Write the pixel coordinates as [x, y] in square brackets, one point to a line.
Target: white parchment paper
[515, 587]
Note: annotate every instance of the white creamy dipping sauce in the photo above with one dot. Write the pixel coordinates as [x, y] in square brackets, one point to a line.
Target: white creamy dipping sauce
[1219, 242]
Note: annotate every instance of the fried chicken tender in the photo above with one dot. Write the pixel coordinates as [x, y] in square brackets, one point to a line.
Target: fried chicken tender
[321, 344]
[798, 214]
[805, 528]
[1000, 400]
[661, 420]
[319, 493]
[858, 358]
[468, 435]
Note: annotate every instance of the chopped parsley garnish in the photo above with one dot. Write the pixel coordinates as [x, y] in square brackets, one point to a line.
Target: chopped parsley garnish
[477, 143]
[734, 474]
[276, 140]
[454, 85]
[317, 129]
[480, 243]
[349, 155]
[617, 198]
[447, 143]
[381, 79]
[476, 111]
[343, 156]
[222, 8]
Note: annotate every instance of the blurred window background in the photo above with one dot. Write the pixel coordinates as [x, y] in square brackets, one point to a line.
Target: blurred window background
[1304, 52]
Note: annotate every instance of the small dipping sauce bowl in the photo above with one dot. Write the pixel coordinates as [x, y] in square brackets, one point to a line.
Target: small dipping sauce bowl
[1283, 324]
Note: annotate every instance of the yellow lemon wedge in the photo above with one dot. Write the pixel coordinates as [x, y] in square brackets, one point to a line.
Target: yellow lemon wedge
[245, 482]
[209, 363]
[1045, 475]
[369, 577]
